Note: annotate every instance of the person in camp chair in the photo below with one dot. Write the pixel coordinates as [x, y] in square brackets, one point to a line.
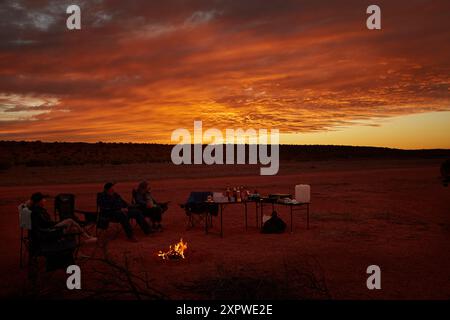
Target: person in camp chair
[40, 218]
[115, 208]
[147, 204]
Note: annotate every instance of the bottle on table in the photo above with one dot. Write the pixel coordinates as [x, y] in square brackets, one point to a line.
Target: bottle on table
[244, 193]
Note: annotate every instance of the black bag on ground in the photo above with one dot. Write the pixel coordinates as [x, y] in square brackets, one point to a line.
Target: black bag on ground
[274, 225]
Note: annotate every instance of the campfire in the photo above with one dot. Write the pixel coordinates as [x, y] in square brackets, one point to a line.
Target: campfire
[175, 252]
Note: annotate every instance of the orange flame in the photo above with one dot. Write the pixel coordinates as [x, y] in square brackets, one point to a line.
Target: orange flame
[175, 252]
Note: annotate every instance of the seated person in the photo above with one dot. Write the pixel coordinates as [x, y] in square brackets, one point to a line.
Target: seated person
[114, 207]
[148, 205]
[40, 218]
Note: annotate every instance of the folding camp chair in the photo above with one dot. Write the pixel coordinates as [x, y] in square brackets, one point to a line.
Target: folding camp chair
[197, 209]
[65, 209]
[163, 205]
[102, 220]
[25, 229]
[58, 248]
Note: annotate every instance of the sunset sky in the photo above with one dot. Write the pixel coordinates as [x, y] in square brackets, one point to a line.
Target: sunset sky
[140, 69]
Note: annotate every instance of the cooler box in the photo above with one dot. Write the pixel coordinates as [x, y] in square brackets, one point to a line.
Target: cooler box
[303, 193]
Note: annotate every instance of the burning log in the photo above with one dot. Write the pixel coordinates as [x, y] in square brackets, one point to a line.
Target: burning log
[175, 252]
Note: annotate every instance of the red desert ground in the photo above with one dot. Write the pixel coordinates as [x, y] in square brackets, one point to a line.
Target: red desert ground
[390, 211]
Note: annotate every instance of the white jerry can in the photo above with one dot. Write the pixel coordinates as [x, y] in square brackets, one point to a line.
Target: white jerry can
[303, 193]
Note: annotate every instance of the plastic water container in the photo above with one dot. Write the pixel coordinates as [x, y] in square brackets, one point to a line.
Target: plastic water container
[303, 193]
[219, 197]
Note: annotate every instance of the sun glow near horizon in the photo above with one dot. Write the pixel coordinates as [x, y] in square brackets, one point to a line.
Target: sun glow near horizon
[419, 131]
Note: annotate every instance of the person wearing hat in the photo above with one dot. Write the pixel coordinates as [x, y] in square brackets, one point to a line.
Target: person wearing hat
[148, 205]
[40, 218]
[114, 207]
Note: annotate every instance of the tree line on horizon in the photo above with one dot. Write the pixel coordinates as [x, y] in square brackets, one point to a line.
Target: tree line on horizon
[38, 154]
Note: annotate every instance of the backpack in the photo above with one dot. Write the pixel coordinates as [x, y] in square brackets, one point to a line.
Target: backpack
[274, 225]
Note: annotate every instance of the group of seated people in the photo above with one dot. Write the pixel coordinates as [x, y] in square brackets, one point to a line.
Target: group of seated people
[41, 220]
[112, 208]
